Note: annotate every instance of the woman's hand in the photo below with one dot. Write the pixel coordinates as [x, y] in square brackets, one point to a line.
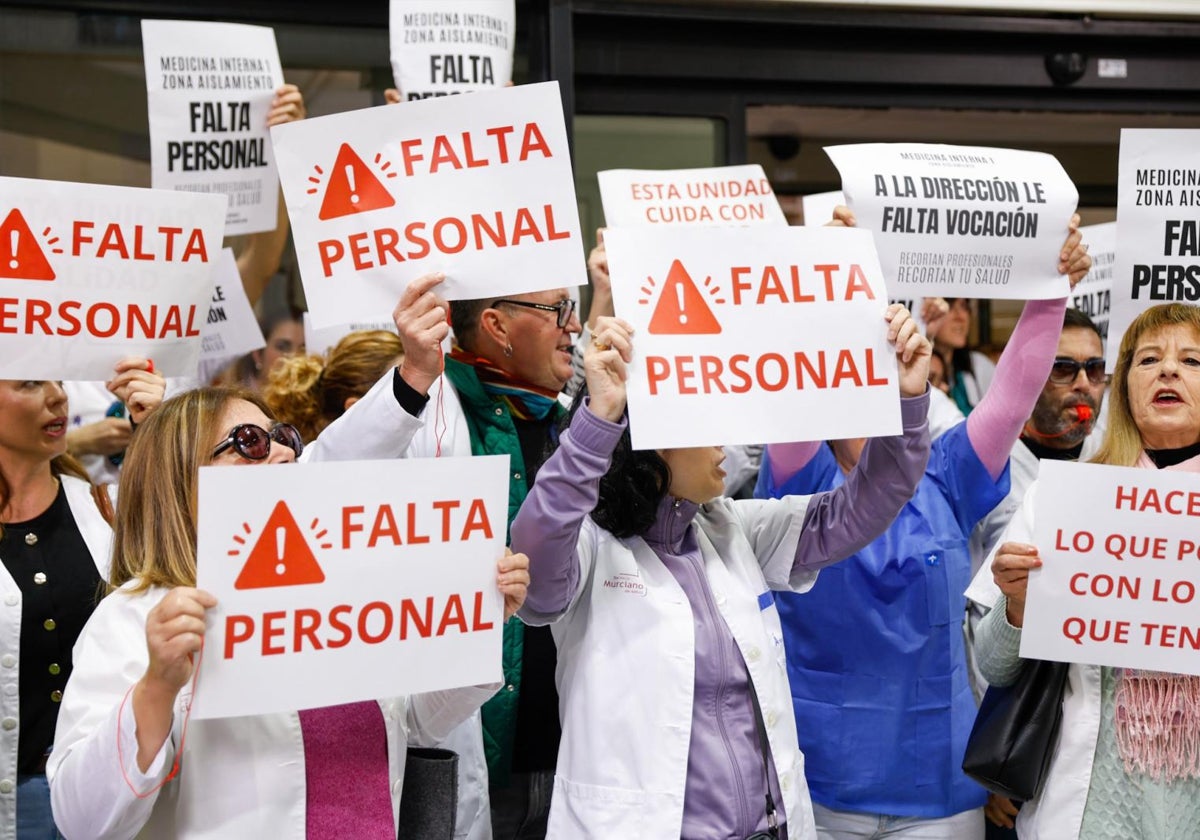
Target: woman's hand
[604, 365]
[1010, 571]
[912, 350]
[174, 633]
[933, 312]
[512, 580]
[1000, 810]
[139, 386]
[843, 216]
[420, 318]
[1074, 260]
[287, 106]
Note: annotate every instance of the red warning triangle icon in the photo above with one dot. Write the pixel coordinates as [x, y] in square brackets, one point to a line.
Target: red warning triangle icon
[21, 257]
[281, 557]
[681, 308]
[353, 188]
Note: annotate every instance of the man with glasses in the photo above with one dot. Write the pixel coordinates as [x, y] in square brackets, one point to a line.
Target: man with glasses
[1063, 417]
[496, 393]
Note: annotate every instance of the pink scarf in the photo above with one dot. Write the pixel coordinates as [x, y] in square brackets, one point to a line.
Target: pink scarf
[1158, 714]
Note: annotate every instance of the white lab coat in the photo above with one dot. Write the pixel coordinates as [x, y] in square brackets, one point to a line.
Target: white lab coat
[97, 535]
[622, 764]
[1057, 814]
[240, 777]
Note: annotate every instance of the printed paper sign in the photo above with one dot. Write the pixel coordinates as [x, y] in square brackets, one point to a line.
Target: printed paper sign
[753, 335]
[723, 195]
[818, 207]
[440, 47]
[961, 221]
[339, 582]
[1158, 210]
[319, 341]
[1093, 294]
[90, 274]
[210, 87]
[1121, 567]
[478, 187]
[231, 328]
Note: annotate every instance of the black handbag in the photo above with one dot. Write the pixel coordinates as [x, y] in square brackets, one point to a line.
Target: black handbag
[429, 799]
[1016, 730]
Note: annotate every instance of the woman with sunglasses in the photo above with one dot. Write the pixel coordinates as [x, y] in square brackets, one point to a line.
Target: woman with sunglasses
[318, 774]
[875, 651]
[54, 548]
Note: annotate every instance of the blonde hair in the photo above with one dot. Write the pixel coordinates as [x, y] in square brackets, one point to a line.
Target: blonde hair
[1123, 440]
[154, 535]
[310, 392]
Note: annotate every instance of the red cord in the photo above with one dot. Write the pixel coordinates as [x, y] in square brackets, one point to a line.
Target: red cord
[182, 735]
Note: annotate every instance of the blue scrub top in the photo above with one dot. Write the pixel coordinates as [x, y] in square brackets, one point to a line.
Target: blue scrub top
[875, 649]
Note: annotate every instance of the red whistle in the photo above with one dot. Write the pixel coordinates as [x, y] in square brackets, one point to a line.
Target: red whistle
[1083, 412]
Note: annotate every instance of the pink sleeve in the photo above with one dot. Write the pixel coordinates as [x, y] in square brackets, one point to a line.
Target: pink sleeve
[787, 459]
[995, 424]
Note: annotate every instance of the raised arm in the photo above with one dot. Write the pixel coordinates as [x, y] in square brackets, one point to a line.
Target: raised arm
[996, 423]
[567, 489]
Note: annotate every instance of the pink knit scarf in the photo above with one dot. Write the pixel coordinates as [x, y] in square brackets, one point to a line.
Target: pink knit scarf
[1158, 714]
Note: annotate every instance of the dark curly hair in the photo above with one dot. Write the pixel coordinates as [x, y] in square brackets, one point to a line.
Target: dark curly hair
[633, 487]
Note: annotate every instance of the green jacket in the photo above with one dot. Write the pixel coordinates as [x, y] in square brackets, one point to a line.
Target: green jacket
[494, 433]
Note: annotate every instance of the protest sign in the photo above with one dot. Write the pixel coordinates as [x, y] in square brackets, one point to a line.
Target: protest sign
[442, 47]
[1093, 294]
[1158, 210]
[961, 221]
[231, 328]
[818, 207]
[318, 341]
[90, 274]
[722, 195]
[338, 582]
[1121, 567]
[768, 334]
[209, 89]
[479, 187]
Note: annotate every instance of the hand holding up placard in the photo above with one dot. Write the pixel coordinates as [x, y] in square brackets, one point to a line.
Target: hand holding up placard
[604, 364]
[912, 350]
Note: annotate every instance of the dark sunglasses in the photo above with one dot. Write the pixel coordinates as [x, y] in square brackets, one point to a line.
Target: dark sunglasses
[565, 308]
[1064, 371]
[254, 442]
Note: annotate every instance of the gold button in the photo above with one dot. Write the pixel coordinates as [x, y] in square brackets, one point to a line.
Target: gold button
[31, 539]
[56, 696]
[49, 624]
[39, 578]
[55, 669]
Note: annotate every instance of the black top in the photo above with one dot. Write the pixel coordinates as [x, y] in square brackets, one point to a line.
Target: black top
[60, 587]
[1170, 457]
[1047, 453]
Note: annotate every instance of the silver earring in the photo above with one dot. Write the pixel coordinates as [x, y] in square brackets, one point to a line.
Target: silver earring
[508, 350]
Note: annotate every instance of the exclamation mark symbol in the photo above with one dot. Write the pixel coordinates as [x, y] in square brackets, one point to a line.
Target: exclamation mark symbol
[14, 237]
[280, 544]
[350, 180]
[679, 297]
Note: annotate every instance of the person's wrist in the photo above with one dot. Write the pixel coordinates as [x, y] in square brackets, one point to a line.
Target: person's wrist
[418, 379]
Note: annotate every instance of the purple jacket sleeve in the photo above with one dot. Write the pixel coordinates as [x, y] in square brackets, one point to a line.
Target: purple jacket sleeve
[547, 526]
[842, 521]
[996, 423]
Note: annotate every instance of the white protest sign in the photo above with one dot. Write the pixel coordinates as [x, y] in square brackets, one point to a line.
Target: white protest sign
[231, 328]
[441, 47]
[961, 221]
[1121, 566]
[89, 274]
[338, 582]
[753, 335]
[1093, 294]
[209, 89]
[479, 187]
[317, 341]
[722, 195]
[818, 207]
[1158, 210]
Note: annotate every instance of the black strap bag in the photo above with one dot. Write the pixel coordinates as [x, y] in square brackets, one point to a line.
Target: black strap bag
[429, 798]
[1016, 730]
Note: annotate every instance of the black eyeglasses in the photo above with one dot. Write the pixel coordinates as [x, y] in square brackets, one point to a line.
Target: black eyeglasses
[565, 308]
[1064, 371]
[254, 442]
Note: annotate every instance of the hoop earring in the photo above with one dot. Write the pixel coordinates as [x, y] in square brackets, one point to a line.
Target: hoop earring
[508, 350]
